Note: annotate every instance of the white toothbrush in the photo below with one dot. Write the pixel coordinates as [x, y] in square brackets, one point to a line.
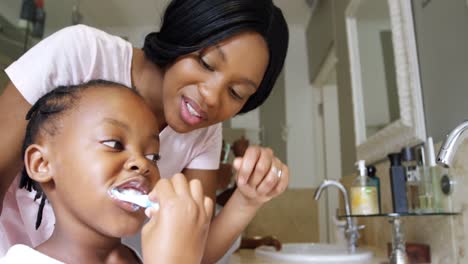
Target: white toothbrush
[132, 196]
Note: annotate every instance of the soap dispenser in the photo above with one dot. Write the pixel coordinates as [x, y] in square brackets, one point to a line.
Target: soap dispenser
[364, 199]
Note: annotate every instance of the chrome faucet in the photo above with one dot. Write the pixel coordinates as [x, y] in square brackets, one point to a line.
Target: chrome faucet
[352, 231]
[451, 144]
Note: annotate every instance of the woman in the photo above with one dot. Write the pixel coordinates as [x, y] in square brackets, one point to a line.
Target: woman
[211, 60]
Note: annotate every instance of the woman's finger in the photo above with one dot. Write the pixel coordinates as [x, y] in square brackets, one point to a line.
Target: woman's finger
[262, 167]
[249, 160]
[272, 179]
[283, 182]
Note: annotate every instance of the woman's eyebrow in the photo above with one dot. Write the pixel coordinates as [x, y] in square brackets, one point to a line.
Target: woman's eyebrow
[221, 53]
[224, 59]
[250, 83]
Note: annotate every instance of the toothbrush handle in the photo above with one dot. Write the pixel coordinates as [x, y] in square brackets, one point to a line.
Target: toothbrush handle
[149, 203]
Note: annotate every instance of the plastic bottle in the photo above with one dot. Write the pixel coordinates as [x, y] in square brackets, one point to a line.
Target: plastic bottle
[398, 184]
[412, 178]
[375, 181]
[363, 193]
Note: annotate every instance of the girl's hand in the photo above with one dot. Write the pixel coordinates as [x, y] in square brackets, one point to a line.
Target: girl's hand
[261, 176]
[177, 232]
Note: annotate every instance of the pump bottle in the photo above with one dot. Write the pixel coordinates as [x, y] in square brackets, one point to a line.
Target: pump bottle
[364, 200]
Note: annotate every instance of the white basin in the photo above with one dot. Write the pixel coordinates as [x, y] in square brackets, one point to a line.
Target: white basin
[315, 253]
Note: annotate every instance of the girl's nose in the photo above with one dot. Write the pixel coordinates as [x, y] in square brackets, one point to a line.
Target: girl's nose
[138, 164]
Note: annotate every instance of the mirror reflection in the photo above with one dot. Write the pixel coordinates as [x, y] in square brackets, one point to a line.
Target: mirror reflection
[377, 65]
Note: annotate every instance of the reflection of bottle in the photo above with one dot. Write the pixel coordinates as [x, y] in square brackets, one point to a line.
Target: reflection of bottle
[39, 22]
[435, 173]
[371, 173]
[363, 193]
[397, 181]
[412, 178]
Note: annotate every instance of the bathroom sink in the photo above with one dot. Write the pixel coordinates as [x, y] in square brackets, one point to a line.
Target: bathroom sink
[315, 253]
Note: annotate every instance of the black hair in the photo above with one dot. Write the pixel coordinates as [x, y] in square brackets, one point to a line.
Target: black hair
[43, 117]
[191, 25]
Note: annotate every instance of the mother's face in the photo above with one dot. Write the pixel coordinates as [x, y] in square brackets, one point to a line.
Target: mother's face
[212, 85]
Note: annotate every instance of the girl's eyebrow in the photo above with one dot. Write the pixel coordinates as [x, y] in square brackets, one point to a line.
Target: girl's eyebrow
[124, 126]
[116, 122]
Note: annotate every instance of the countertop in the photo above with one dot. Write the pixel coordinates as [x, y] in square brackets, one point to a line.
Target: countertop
[247, 256]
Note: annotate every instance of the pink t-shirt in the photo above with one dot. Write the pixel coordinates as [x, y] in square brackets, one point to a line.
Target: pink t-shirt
[24, 254]
[75, 55]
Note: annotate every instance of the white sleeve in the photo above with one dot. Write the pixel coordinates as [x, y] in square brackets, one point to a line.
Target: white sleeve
[209, 155]
[60, 59]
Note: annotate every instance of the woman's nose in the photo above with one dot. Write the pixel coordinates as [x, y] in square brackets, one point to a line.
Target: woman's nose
[211, 93]
[138, 164]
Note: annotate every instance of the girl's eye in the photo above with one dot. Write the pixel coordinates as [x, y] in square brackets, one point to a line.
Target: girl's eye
[235, 94]
[204, 63]
[153, 157]
[114, 144]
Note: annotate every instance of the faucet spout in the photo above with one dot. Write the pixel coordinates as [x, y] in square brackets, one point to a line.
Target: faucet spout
[351, 230]
[450, 145]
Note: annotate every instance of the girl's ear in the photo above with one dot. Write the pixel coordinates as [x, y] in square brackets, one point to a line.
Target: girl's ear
[36, 162]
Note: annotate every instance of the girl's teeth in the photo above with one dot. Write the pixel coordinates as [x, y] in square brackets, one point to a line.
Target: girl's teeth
[192, 111]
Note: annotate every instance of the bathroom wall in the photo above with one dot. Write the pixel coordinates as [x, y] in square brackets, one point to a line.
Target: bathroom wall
[291, 217]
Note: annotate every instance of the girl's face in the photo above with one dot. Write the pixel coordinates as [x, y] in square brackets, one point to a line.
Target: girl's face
[212, 85]
[110, 139]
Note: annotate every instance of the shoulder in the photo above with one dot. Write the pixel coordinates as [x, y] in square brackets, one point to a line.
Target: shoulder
[84, 36]
[81, 31]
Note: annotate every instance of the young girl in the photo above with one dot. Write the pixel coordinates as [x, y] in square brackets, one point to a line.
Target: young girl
[211, 60]
[78, 147]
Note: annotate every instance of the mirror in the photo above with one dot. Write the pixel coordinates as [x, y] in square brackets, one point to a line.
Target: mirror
[443, 60]
[387, 101]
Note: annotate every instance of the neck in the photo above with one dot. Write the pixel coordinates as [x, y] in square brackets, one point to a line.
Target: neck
[147, 78]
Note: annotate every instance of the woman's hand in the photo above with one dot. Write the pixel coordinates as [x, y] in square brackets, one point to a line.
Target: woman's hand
[177, 232]
[261, 176]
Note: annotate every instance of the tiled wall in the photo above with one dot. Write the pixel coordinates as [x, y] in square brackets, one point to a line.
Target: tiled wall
[291, 217]
[446, 235]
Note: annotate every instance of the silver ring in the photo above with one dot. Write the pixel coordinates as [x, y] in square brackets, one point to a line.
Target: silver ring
[277, 171]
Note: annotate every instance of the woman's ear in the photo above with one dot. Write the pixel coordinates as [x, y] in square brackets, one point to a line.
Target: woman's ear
[36, 162]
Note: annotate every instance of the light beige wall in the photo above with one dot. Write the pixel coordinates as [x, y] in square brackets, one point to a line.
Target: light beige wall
[291, 217]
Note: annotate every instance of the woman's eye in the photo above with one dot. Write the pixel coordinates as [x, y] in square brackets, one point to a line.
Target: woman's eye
[153, 157]
[205, 64]
[115, 144]
[235, 94]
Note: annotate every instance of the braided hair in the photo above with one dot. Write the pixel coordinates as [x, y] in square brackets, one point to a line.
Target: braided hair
[42, 118]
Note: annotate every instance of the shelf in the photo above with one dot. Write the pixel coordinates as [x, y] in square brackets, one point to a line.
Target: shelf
[402, 214]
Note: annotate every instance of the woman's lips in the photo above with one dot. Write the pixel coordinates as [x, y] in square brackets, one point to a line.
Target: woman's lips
[191, 113]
